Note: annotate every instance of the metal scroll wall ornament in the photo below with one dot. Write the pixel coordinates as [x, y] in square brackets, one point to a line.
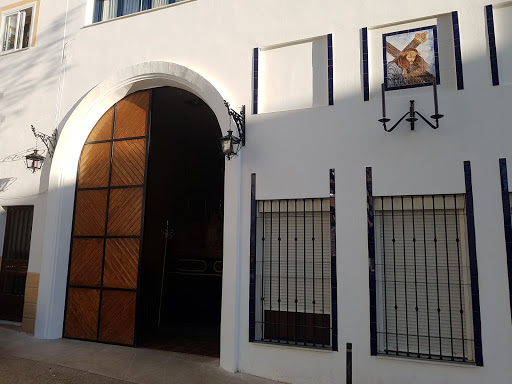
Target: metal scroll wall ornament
[412, 112]
[35, 160]
[231, 144]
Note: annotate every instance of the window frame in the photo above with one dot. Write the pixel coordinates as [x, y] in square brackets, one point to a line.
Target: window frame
[254, 300]
[13, 11]
[465, 277]
[473, 262]
[144, 6]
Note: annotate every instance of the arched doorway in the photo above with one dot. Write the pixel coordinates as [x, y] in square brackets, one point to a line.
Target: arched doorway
[149, 166]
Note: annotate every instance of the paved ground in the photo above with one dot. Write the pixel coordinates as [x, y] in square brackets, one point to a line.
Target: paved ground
[15, 370]
[24, 359]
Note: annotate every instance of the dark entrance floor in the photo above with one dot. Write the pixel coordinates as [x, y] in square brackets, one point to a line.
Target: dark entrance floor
[197, 339]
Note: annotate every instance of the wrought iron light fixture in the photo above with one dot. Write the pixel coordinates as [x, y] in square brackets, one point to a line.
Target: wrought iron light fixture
[35, 160]
[230, 144]
[412, 112]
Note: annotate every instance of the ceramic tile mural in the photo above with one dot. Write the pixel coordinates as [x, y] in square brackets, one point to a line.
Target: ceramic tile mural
[410, 58]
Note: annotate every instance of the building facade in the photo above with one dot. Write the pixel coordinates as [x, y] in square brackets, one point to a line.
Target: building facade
[327, 230]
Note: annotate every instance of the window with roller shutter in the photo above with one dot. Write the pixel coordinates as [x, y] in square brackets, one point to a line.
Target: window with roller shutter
[423, 278]
[293, 272]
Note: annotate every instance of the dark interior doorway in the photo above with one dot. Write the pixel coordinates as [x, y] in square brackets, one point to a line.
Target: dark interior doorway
[13, 270]
[181, 274]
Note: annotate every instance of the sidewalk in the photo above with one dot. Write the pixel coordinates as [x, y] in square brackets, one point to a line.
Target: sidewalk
[87, 360]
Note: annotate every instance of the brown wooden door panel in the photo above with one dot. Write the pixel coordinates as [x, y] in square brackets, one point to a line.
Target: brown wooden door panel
[82, 313]
[110, 189]
[94, 165]
[128, 162]
[117, 324]
[121, 263]
[90, 211]
[132, 115]
[125, 212]
[86, 261]
[103, 129]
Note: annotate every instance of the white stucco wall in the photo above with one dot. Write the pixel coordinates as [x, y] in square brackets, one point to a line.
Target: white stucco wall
[291, 152]
[30, 96]
[503, 30]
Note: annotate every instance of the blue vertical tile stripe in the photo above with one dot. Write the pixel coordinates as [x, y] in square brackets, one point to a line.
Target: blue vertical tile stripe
[366, 80]
[475, 293]
[371, 262]
[334, 283]
[252, 275]
[330, 69]
[458, 57]
[255, 81]
[492, 45]
[507, 222]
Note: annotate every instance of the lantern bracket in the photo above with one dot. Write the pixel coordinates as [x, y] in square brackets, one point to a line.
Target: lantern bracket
[239, 119]
[49, 141]
[412, 119]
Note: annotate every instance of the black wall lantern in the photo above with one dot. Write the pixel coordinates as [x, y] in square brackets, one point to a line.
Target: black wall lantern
[230, 145]
[412, 112]
[35, 160]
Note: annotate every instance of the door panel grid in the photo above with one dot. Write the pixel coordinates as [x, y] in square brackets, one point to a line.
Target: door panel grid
[107, 226]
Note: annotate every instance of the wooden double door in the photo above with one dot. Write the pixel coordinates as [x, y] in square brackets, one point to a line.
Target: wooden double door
[108, 225]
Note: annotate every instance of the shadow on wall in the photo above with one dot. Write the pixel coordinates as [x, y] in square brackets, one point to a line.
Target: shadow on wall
[40, 67]
[5, 183]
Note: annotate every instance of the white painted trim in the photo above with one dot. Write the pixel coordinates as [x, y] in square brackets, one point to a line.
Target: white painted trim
[62, 178]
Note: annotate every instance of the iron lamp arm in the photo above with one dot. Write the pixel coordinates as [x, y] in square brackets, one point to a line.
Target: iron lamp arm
[435, 117]
[49, 141]
[239, 119]
[385, 120]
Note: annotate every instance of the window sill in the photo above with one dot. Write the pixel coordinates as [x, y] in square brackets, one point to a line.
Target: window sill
[138, 13]
[293, 346]
[412, 359]
[13, 51]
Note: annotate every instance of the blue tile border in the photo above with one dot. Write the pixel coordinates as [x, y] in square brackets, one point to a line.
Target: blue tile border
[436, 58]
[475, 293]
[252, 274]
[334, 283]
[507, 222]
[492, 45]
[330, 69]
[371, 262]
[366, 80]
[458, 57]
[255, 81]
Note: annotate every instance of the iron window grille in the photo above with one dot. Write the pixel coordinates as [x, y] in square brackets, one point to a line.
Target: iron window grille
[423, 278]
[293, 272]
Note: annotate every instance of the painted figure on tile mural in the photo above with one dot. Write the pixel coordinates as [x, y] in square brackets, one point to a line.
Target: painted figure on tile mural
[408, 66]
